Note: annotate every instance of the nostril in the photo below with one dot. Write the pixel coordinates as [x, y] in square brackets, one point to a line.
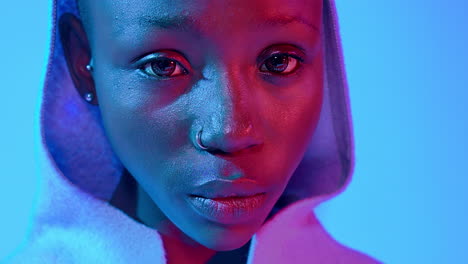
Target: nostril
[226, 143]
[218, 152]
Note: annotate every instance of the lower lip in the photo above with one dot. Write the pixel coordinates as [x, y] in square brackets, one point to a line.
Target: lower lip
[231, 210]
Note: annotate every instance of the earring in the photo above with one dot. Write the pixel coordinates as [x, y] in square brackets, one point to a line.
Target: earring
[89, 68]
[89, 97]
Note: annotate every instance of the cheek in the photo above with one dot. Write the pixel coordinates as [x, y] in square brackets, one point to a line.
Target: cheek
[145, 135]
[292, 122]
[303, 112]
[292, 133]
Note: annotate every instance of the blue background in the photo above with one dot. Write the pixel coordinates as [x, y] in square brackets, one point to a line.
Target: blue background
[407, 72]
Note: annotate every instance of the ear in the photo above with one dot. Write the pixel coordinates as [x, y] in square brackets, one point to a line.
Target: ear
[77, 54]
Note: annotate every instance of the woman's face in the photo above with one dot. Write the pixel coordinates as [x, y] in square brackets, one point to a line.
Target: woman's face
[247, 72]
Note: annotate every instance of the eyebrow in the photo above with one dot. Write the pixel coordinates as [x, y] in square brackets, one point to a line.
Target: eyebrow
[283, 20]
[187, 23]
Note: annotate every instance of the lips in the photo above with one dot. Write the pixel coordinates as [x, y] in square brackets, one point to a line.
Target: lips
[225, 188]
[231, 210]
[228, 202]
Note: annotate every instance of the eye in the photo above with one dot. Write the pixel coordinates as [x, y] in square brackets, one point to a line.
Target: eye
[163, 67]
[281, 63]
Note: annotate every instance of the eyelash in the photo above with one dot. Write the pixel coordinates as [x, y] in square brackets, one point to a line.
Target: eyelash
[183, 71]
[147, 66]
[297, 60]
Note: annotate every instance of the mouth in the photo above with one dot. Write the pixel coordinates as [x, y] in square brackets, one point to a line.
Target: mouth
[228, 202]
[233, 209]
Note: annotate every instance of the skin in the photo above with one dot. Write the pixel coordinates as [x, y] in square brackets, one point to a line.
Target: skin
[257, 122]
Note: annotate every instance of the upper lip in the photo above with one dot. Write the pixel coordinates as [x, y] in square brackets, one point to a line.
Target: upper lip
[226, 188]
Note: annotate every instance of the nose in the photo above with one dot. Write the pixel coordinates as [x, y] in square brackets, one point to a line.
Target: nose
[233, 122]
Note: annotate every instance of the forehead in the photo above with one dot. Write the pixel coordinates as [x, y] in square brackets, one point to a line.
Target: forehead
[203, 15]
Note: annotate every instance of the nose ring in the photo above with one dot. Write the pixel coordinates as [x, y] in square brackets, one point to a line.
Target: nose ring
[199, 143]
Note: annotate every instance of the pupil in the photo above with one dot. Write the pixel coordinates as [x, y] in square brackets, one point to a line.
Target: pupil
[164, 67]
[277, 63]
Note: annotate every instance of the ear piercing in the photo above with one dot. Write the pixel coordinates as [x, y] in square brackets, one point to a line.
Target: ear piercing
[199, 143]
[89, 97]
[89, 68]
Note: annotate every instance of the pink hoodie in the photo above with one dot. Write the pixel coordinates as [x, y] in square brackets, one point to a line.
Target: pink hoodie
[74, 223]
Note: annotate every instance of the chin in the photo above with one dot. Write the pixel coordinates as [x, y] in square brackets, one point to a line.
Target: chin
[227, 244]
[225, 238]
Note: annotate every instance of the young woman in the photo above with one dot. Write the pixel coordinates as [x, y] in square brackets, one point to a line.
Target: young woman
[199, 131]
